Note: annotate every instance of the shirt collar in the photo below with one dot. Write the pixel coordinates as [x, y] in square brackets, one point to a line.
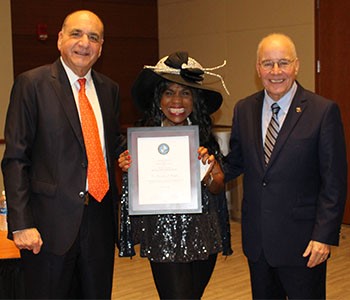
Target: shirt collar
[73, 77]
[285, 101]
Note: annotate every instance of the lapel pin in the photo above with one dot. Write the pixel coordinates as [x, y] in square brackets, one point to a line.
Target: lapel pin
[298, 109]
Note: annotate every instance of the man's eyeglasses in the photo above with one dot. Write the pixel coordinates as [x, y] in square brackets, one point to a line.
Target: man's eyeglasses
[282, 64]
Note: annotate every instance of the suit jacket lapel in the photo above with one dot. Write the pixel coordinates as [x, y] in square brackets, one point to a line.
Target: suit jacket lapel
[101, 96]
[256, 117]
[296, 110]
[101, 92]
[62, 87]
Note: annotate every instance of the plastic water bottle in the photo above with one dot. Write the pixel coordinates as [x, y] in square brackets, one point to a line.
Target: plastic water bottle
[3, 211]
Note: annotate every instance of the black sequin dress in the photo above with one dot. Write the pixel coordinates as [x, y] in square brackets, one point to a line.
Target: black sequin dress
[177, 237]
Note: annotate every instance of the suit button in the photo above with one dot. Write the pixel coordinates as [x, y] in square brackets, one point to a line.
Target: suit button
[81, 194]
[264, 183]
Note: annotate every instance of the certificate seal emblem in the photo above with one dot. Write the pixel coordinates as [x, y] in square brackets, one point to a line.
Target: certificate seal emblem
[163, 149]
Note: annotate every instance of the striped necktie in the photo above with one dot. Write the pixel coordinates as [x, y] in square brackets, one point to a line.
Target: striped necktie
[96, 172]
[271, 133]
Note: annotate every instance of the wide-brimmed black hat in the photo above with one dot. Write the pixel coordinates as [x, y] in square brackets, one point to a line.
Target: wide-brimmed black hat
[178, 68]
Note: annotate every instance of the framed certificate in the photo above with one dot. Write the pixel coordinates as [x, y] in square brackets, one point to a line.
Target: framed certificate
[164, 176]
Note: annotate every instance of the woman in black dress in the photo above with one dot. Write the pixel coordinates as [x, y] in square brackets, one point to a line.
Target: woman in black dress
[182, 248]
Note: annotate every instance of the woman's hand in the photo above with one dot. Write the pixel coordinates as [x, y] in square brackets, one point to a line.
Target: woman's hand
[214, 179]
[204, 156]
[124, 161]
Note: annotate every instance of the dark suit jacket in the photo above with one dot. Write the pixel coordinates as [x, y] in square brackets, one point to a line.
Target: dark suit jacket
[45, 163]
[300, 195]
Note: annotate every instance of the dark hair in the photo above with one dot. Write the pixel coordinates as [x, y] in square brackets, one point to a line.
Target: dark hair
[153, 116]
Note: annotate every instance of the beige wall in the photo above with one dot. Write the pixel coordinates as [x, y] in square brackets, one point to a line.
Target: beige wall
[230, 29]
[6, 74]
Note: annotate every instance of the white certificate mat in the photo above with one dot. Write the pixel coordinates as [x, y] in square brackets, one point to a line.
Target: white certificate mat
[164, 176]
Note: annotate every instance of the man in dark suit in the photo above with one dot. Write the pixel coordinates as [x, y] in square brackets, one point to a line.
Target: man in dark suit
[295, 177]
[66, 234]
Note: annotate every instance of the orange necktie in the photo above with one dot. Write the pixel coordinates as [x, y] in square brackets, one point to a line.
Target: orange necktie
[96, 172]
